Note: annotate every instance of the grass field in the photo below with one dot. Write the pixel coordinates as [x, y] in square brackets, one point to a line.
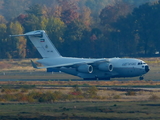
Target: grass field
[112, 103]
[91, 110]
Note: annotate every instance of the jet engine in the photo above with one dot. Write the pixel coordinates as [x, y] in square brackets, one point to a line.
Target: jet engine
[107, 67]
[85, 68]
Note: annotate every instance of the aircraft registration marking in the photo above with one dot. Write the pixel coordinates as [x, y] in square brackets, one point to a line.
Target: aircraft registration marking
[42, 40]
[128, 64]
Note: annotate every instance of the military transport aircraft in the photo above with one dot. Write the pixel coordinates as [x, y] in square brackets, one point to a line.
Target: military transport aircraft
[88, 69]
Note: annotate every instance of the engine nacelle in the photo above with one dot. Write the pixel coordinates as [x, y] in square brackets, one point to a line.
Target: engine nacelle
[85, 68]
[107, 67]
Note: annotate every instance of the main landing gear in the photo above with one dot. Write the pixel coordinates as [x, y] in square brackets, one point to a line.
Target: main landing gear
[141, 78]
[96, 78]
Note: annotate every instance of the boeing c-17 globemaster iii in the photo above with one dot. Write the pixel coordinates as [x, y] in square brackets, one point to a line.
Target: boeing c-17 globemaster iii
[88, 69]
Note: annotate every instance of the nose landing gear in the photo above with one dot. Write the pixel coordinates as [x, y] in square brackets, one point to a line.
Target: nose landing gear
[141, 78]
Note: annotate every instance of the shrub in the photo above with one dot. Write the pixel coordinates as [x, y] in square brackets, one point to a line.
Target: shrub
[116, 97]
[21, 97]
[2, 100]
[92, 92]
[30, 99]
[80, 97]
[47, 97]
[23, 90]
[34, 95]
[57, 95]
[9, 97]
[153, 97]
[8, 90]
[67, 97]
[76, 91]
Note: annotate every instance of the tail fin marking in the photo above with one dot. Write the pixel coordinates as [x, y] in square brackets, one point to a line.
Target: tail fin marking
[42, 43]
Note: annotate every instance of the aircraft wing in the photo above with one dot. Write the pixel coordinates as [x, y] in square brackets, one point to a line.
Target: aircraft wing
[64, 65]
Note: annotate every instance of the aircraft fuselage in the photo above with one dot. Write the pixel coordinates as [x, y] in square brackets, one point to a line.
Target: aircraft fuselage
[103, 68]
[122, 67]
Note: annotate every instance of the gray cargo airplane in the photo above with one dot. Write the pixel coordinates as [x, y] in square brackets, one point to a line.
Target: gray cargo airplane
[88, 69]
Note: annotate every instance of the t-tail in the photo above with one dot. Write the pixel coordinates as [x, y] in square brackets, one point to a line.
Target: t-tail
[42, 43]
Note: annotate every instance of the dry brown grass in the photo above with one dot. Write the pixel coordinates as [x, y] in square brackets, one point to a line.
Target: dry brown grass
[16, 65]
[102, 93]
[83, 83]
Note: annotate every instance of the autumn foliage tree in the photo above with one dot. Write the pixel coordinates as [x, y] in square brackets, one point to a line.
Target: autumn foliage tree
[17, 45]
[81, 28]
[69, 10]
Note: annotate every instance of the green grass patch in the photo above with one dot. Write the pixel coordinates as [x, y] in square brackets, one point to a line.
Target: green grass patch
[85, 110]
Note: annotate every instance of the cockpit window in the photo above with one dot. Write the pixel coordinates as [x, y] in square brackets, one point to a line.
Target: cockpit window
[140, 63]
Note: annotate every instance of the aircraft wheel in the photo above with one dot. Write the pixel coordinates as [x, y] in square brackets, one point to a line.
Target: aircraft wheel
[141, 78]
[103, 78]
[89, 78]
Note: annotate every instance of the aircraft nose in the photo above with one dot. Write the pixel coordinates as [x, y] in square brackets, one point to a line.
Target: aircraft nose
[147, 68]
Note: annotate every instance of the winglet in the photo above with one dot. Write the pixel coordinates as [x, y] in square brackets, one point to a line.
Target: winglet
[34, 65]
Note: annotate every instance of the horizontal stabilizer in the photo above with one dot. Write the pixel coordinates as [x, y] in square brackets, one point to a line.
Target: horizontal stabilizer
[33, 64]
[28, 34]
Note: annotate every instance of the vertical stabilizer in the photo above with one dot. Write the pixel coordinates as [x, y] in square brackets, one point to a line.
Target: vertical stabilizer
[42, 43]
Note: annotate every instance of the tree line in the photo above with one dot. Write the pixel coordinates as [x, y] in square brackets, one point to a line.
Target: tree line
[80, 29]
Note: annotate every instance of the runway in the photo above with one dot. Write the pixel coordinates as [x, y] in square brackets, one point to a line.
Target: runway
[44, 76]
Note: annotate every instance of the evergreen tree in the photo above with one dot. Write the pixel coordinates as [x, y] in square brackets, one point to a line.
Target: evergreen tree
[72, 38]
[3, 45]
